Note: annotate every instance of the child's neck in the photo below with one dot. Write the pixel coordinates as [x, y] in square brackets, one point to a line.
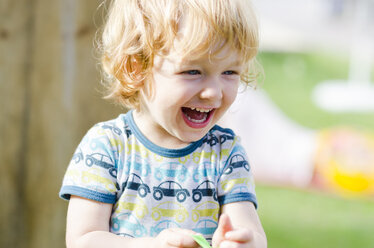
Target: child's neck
[156, 134]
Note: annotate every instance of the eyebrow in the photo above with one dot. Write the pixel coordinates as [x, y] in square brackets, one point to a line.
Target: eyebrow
[187, 62]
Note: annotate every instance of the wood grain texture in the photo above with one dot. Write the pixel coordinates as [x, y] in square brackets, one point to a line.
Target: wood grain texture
[49, 98]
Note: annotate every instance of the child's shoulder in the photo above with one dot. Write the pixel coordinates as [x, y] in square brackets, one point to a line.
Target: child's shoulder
[115, 127]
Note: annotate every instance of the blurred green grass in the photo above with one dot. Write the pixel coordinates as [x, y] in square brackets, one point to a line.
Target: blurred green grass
[295, 218]
[303, 219]
[290, 79]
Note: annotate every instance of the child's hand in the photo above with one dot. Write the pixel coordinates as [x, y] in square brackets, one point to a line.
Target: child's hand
[175, 237]
[227, 237]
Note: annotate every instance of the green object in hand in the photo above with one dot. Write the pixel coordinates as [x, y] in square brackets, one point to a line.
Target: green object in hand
[201, 240]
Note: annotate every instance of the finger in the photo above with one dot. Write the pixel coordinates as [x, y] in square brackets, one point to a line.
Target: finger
[240, 235]
[181, 238]
[224, 226]
[187, 232]
[232, 244]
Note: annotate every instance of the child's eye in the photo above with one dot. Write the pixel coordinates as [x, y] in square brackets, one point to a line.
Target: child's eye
[229, 73]
[192, 72]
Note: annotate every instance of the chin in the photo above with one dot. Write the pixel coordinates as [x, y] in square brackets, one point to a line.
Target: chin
[195, 136]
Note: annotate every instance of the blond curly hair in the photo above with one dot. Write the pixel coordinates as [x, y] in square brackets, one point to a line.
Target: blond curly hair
[137, 30]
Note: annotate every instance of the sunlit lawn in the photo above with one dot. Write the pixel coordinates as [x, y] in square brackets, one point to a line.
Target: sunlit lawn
[298, 218]
[290, 79]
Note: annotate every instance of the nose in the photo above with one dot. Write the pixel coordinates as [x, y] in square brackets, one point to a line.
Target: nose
[212, 90]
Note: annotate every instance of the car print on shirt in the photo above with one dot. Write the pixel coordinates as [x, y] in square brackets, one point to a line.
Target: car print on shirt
[210, 139]
[105, 144]
[112, 127]
[78, 156]
[171, 169]
[93, 176]
[127, 130]
[134, 182]
[206, 188]
[206, 209]
[72, 177]
[208, 169]
[125, 235]
[103, 161]
[162, 225]
[132, 204]
[224, 137]
[237, 161]
[129, 222]
[171, 189]
[138, 163]
[228, 184]
[239, 190]
[170, 209]
[206, 227]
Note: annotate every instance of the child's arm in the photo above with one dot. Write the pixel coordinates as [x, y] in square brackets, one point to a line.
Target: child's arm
[88, 226]
[239, 223]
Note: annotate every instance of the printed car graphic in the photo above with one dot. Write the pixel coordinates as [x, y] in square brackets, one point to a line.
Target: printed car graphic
[134, 182]
[170, 188]
[139, 164]
[170, 209]
[237, 161]
[125, 235]
[78, 156]
[210, 139]
[93, 175]
[239, 189]
[102, 161]
[104, 143]
[206, 188]
[224, 137]
[128, 130]
[72, 177]
[133, 204]
[228, 184]
[171, 169]
[129, 222]
[206, 209]
[112, 127]
[205, 227]
[207, 170]
[162, 225]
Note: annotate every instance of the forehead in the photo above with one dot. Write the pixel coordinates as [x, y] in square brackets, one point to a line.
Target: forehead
[224, 55]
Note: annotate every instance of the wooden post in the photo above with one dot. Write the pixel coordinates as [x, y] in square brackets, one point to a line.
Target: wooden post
[49, 97]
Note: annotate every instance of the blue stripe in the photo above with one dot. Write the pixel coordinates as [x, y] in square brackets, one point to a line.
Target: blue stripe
[223, 130]
[171, 153]
[225, 199]
[67, 191]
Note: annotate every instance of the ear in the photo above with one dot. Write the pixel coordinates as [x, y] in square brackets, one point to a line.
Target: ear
[135, 66]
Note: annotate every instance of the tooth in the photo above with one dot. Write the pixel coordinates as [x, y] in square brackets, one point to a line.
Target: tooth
[197, 121]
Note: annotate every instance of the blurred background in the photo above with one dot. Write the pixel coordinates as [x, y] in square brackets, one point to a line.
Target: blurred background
[50, 96]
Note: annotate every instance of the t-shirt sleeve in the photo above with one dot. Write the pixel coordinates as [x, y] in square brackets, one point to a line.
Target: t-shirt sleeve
[92, 171]
[236, 179]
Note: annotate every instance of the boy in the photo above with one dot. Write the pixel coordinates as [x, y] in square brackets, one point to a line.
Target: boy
[164, 171]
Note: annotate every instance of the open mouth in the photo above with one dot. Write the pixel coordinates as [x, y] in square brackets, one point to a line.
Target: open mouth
[197, 117]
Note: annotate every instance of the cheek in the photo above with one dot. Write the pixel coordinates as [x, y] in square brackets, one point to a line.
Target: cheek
[230, 92]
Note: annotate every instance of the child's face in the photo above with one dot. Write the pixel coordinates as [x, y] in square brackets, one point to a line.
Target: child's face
[188, 98]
